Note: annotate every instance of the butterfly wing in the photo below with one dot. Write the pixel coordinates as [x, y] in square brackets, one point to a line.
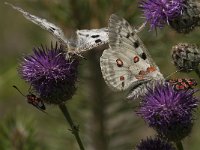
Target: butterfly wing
[119, 70]
[137, 67]
[43, 23]
[122, 34]
[89, 39]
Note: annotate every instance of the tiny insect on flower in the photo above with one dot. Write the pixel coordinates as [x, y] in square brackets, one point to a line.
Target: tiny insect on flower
[33, 99]
[182, 84]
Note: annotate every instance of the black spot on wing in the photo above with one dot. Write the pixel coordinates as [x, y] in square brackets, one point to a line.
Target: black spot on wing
[132, 34]
[98, 41]
[95, 36]
[52, 29]
[136, 44]
[128, 35]
[123, 84]
[144, 56]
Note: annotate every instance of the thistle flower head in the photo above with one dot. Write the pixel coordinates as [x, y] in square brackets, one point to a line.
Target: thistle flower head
[50, 73]
[186, 57]
[160, 12]
[154, 144]
[169, 111]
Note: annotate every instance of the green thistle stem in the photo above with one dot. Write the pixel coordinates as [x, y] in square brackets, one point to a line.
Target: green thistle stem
[179, 145]
[74, 128]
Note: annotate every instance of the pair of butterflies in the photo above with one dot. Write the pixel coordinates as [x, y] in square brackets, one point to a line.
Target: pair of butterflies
[125, 65]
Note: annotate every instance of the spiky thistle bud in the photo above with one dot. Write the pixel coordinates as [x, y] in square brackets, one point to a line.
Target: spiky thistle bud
[186, 57]
[189, 18]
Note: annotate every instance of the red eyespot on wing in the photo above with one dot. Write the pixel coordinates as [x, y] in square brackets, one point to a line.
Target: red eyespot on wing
[119, 62]
[122, 78]
[151, 69]
[136, 59]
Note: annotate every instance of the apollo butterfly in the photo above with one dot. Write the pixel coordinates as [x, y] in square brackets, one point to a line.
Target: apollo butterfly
[127, 63]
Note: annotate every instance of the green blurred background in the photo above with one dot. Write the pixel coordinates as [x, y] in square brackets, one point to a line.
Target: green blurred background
[107, 120]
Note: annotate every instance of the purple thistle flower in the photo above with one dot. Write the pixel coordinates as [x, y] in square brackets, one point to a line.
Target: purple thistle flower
[169, 111]
[154, 144]
[160, 12]
[50, 73]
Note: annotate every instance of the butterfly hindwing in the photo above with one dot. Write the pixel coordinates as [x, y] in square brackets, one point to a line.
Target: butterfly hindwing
[120, 71]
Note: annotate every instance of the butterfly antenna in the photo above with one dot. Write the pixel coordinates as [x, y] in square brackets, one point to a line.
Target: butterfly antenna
[173, 73]
[141, 27]
[18, 90]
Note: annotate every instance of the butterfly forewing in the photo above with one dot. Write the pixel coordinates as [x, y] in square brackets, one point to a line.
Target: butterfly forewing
[43, 23]
[121, 34]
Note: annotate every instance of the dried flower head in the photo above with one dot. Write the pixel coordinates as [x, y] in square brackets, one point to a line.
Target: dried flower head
[50, 73]
[160, 12]
[186, 57]
[188, 19]
[169, 111]
[154, 144]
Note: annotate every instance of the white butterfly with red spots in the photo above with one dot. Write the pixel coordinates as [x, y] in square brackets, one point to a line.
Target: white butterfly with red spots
[85, 40]
[127, 63]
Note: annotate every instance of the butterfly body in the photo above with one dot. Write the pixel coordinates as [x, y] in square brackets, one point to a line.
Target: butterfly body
[126, 64]
[182, 84]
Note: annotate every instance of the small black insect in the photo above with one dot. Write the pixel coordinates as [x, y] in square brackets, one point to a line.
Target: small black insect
[33, 100]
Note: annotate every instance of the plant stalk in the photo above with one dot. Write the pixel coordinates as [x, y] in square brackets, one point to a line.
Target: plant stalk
[74, 128]
[179, 145]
